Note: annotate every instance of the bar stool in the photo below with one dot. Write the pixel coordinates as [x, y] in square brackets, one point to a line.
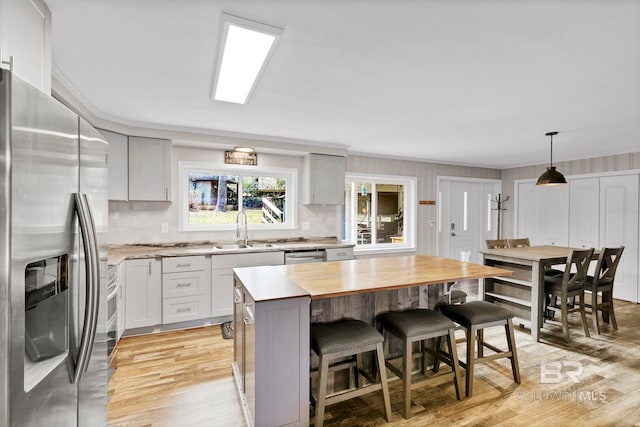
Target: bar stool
[475, 316]
[420, 325]
[340, 339]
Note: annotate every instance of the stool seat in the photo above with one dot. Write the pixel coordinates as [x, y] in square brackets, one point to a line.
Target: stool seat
[341, 335]
[411, 323]
[475, 312]
[418, 326]
[347, 338]
[474, 316]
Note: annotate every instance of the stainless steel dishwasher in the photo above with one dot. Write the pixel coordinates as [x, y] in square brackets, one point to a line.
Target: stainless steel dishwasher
[302, 257]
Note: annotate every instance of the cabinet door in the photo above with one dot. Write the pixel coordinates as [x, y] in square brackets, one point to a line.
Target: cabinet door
[222, 292]
[121, 314]
[143, 298]
[323, 179]
[149, 169]
[543, 214]
[584, 212]
[619, 226]
[25, 38]
[118, 162]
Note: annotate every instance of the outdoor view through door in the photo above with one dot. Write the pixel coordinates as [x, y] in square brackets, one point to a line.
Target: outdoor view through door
[376, 211]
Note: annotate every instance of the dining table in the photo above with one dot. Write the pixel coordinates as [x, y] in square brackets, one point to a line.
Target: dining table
[523, 291]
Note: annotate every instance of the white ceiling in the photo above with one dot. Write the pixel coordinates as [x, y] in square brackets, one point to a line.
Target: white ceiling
[475, 82]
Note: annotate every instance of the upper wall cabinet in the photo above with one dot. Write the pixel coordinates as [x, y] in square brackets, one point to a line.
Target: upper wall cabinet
[149, 169]
[323, 180]
[25, 40]
[118, 165]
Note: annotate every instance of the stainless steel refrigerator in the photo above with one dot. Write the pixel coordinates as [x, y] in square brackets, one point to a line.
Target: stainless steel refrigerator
[53, 262]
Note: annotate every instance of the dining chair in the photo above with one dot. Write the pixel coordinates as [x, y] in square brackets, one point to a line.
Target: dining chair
[570, 285]
[602, 283]
[518, 243]
[497, 244]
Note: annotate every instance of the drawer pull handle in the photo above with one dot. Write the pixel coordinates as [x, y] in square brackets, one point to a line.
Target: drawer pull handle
[183, 265]
[183, 285]
[183, 310]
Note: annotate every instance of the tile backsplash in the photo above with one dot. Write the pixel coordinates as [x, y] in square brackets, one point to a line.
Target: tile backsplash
[142, 222]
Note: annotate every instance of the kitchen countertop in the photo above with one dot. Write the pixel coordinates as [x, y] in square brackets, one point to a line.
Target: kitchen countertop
[340, 278]
[120, 253]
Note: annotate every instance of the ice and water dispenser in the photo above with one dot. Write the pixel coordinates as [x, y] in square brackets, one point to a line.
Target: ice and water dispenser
[46, 303]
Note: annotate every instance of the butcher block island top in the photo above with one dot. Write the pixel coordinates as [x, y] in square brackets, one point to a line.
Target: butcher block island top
[341, 278]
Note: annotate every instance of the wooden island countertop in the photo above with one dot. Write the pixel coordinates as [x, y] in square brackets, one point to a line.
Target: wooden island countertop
[341, 278]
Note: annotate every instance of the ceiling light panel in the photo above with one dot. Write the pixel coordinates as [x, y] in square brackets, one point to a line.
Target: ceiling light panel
[245, 47]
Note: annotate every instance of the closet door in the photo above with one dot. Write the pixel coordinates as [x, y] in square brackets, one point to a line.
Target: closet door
[619, 226]
[543, 214]
[584, 212]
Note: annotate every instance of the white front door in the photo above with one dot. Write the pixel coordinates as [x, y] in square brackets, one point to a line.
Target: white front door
[466, 217]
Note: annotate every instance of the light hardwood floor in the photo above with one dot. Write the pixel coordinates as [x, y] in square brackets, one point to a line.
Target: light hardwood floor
[184, 379]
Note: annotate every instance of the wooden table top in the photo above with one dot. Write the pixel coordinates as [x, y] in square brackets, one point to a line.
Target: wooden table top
[332, 279]
[535, 253]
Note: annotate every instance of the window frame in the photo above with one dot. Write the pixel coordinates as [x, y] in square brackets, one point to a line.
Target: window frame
[408, 209]
[185, 168]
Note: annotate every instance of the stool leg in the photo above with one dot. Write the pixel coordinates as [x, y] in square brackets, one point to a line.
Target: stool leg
[323, 371]
[455, 366]
[471, 335]
[436, 360]
[480, 343]
[406, 374]
[383, 381]
[511, 343]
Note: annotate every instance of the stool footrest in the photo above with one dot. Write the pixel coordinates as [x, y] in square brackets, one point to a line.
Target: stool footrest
[351, 393]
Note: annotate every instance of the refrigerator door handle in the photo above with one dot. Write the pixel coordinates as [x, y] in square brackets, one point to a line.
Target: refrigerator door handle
[88, 232]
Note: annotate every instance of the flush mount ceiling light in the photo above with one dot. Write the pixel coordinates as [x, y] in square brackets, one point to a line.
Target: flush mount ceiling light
[551, 176]
[243, 149]
[245, 46]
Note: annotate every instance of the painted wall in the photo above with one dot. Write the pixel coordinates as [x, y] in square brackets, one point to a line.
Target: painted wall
[619, 162]
[140, 222]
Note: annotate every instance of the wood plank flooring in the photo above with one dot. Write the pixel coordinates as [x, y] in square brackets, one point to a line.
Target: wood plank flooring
[184, 379]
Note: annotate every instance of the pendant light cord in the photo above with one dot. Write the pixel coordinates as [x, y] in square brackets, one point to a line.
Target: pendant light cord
[551, 151]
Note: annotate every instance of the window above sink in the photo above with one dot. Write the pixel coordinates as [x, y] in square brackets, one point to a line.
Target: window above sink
[212, 195]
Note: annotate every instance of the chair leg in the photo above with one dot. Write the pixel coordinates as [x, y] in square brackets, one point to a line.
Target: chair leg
[383, 381]
[511, 343]
[612, 316]
[406, 377]
[564, 314]
[583, 316]
[455, 365]
[471, 335]
[321, 399]
[594, 312]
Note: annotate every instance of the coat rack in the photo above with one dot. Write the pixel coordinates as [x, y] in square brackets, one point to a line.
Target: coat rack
[499, 202]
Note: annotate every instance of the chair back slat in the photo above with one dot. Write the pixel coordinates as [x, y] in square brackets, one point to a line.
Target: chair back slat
[607, 265]
[497, 244]
[518, 243]
[575, 273]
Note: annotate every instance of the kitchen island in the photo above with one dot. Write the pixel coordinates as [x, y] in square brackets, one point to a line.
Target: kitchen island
[273, 311]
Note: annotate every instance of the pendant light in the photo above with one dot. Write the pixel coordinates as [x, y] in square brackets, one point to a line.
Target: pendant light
[551, 176]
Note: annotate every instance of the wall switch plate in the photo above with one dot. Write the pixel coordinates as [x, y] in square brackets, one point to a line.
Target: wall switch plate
[164, 227]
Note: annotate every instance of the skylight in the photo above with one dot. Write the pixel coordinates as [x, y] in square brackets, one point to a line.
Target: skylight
[245, 47]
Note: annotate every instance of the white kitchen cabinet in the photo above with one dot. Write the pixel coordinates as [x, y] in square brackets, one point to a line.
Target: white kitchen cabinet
[323, 179]
[121, 310]
[143, 293]
[222, 276]
[25, 40]
[186, 289]
[149, 169]
[118, 162]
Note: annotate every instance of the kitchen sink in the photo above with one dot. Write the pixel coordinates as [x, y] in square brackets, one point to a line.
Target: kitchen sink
[231, 246]
[261, 245]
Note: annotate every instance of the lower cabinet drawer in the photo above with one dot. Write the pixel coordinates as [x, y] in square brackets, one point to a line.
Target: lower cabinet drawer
[182, 309]
[185, 284]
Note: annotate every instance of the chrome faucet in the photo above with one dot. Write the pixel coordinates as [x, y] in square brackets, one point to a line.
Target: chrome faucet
[246, 231]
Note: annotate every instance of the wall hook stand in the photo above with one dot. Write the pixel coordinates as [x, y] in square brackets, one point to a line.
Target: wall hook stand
[499, 201]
